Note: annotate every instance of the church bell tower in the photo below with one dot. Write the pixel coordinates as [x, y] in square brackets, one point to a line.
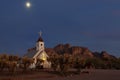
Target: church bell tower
[40, 43]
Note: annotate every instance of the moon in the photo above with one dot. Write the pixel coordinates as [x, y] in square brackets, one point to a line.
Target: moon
[28, 4]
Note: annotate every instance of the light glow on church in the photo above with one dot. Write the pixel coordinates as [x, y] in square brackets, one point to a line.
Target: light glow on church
[43, 57]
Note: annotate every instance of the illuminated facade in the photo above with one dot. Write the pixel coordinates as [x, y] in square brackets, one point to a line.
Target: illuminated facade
[39, 53]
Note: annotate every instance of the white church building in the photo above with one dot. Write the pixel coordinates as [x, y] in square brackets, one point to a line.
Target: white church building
[38, 52]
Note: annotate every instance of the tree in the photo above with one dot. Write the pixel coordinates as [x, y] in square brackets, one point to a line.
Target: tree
[54, 61]
[79, 63]
[26, 62]
[65, 62]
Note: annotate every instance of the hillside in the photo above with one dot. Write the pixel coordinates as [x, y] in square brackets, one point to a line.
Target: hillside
[78, 51]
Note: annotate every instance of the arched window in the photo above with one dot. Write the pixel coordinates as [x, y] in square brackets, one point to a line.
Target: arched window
[41, 44]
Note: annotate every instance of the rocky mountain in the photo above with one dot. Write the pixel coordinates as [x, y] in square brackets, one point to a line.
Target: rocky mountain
[68, 49]
[78, 51]
[73, 50]
[50, 51]
[103, 54]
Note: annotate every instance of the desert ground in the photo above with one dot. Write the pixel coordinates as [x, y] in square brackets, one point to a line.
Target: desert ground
[94, 74]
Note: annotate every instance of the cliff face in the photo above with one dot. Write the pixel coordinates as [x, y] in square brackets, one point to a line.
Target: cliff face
[68, 49]
[61, 48]
[75, 50]
[78, 51]
[103, 54]
[82, 51]
[50, 51]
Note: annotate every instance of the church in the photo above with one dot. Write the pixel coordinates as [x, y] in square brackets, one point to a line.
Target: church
[38, 52]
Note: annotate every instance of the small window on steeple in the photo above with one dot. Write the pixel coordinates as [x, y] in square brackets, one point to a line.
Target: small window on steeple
[41, 44]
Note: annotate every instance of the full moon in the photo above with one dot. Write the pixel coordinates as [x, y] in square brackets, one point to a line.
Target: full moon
[28, 4]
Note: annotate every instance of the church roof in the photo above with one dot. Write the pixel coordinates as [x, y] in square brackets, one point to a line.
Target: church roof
[31, 54]
[40, 39]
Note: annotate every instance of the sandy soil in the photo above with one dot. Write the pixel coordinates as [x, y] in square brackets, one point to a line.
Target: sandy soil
[94, 75]
[42, 75]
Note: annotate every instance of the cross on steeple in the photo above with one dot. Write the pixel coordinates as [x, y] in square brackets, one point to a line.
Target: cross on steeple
[40, 37]
[40, 33]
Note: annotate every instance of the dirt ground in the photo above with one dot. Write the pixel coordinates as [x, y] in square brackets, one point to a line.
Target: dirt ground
[45, 75]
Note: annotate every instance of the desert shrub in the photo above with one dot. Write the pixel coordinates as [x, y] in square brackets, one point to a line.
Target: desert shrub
[79, 64]
[7, 64]
[96, 62]
[64, 64]
[3, 64]
[13, 58]
[12, 66]
[26, 62]
[5, 57]
[54, 61]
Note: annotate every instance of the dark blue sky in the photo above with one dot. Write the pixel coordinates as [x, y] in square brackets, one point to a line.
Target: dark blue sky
[90, 23]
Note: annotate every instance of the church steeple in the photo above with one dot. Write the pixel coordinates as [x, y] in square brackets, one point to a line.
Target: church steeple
[40, 43]
[40, 38]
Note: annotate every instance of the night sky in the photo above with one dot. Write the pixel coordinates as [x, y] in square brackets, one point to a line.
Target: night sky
[89, 23]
